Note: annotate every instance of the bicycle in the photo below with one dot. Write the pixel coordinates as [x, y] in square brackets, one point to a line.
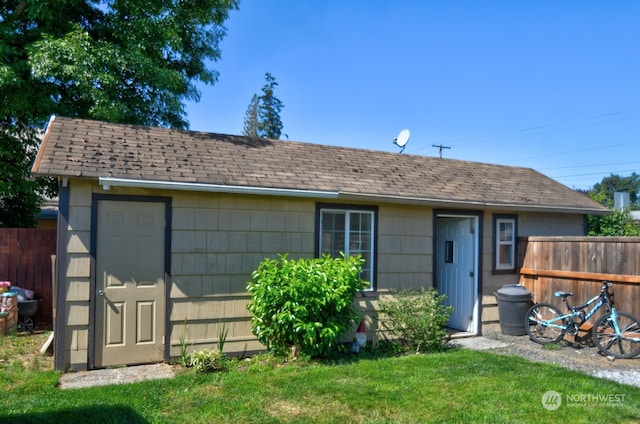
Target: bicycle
[615, 333]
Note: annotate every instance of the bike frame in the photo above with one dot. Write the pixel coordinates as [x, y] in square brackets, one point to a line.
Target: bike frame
[576, 311]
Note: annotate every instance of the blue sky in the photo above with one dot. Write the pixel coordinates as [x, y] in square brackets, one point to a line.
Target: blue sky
[550, 85]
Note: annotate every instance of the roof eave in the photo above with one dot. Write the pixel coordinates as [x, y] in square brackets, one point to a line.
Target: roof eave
[108, 182]
[470, 204]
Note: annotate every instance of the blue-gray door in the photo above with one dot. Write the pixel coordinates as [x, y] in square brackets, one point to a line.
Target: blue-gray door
[457, 269]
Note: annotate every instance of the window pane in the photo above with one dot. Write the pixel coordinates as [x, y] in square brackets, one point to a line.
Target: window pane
[332, 242]
[360, 233]
[350, 232]
[505, 243]
[365, 274]
[506, 231]
[506, 256]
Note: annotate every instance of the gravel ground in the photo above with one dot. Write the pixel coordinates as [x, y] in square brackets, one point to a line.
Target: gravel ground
[580, 356]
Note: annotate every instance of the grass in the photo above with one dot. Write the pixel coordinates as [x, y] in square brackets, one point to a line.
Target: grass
[23, 348]
[453, 386]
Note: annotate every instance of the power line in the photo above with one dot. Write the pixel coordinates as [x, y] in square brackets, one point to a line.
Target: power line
[533, 130]
[570, 152]
[593, 165]
[596, 173]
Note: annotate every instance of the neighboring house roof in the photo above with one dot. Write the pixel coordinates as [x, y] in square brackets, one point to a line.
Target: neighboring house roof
[132, 155]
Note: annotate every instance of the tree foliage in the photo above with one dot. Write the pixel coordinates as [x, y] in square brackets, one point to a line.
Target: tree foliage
[20, 195]
[604, 191]
[619, 223]
[251, 122]
[133, 62]
[262, 118]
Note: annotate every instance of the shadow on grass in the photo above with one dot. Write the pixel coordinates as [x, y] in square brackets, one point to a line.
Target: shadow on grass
[102, 414]
[385, 349]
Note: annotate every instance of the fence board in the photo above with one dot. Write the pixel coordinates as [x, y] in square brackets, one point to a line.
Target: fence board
[578, 265]
[25, 260]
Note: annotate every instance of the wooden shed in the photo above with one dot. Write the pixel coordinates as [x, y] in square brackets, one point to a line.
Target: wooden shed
[160, 229]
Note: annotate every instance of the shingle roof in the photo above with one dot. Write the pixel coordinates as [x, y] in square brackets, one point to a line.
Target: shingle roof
[93, 149]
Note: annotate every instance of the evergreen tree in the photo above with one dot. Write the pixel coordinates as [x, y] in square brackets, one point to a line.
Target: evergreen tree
[262, 117]
[251, 123]
[270, 122]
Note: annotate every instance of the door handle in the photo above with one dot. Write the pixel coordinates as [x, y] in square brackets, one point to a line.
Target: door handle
[100, 292]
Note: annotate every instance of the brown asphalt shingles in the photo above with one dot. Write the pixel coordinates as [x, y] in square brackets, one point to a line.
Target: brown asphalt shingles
[92, 149]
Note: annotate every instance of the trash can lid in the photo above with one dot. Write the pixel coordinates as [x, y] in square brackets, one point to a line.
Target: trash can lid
[513, 292]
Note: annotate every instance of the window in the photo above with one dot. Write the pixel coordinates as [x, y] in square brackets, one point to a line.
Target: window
[505, 235]
[351, 231]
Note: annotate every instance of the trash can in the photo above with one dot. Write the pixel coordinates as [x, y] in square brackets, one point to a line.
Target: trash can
[514, 301]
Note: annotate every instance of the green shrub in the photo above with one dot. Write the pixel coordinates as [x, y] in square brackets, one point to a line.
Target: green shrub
[209, 360]
[417, 319]
[205, 360]
[304, 306]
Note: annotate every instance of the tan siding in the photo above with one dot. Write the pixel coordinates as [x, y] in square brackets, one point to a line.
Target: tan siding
[405, 247]
[78, 313]
[79, 340]
[550, 225]
[77, 290]
[217, 240]
[78, 265]
[79, 242]
[76, 284]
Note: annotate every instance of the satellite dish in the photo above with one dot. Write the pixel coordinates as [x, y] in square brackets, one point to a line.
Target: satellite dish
[402, 139]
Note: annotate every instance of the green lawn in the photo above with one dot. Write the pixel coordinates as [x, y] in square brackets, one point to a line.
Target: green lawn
[454, 386]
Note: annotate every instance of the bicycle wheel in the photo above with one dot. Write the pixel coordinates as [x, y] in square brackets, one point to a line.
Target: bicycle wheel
[625, 345]
[543, 323]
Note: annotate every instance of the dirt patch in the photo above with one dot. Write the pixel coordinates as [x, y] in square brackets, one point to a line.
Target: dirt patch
[25, 348]
[581, 354]
[284, 410]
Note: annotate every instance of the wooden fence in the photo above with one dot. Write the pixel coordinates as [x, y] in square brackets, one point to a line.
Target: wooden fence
[26, 261]
[579, 265]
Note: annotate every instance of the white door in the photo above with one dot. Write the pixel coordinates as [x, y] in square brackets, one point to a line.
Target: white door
[457, 269]
[130, 288]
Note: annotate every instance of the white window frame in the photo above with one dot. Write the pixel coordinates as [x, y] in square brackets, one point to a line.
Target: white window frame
[369, 265]
[500, 243]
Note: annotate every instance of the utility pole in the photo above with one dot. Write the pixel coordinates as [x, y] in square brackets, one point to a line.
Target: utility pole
[440, 147]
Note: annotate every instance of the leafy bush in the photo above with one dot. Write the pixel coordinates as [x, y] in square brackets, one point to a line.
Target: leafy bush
[618, 224]
[417, 319]
[209, 360]
[304, 306]
[205, 360]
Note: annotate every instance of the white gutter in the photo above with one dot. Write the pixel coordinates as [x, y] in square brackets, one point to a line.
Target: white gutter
[456, 204]
[108, 182]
